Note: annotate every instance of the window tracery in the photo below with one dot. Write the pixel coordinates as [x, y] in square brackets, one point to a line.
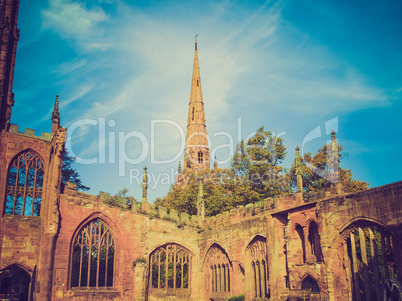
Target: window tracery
[370, 258]
[24, 184]
[170, 269]
[219, 268]
[93, 256]
[257, 253]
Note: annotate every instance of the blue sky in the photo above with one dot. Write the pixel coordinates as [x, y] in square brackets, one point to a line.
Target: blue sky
[123, 71]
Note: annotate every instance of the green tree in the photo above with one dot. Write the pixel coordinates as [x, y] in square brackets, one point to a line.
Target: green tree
[121, 199]
[182, 196]
[317, 172]
[69, 174]
[257, 163]
[255, 174]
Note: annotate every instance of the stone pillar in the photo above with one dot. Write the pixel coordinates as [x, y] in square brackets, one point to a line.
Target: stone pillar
[200, 204]
[298, 166]
[50, 217]
[140, 281]
[145, 204]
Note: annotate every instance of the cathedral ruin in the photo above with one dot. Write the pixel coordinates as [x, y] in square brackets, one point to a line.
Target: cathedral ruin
[62, 244]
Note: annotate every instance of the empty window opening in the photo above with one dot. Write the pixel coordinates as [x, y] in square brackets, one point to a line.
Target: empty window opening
[170, 269]
[310, 283]
[314, 241]
[299, 231]
[24, 184]
[93, 256]
[257, 253]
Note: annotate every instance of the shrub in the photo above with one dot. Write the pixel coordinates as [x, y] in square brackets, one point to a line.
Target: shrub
[139, 260]
[236, 298]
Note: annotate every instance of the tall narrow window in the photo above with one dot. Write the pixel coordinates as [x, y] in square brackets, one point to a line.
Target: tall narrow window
[93, 256]
[170, 269]
[300, 232]
[200, 158]
[257, 253]
[370, 258]
[218, 266]
[314, 241]
[24, 184]
[197, 82]
[193, 113]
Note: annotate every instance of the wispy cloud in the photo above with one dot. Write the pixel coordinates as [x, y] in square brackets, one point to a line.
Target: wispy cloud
[70, 66]
[72, 18]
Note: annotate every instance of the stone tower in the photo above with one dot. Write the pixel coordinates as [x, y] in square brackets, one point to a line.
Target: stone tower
[196, 153]
[9, 35]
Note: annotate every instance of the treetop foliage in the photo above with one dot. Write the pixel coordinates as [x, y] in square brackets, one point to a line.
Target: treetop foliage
[69, 174]
[255, 174]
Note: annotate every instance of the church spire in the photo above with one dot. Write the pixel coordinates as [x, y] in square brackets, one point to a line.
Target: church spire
[56, 116]
[196, 154]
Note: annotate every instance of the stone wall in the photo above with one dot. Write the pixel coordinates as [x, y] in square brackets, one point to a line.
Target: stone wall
[285, 225]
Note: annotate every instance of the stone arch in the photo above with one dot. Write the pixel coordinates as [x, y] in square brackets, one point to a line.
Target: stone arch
[367, 252]
[15, 281]
[256, 254]
[170, 241]
[255, 236]
[309, 282]
[217, 273]
[299, 232]
[314, 241]
[93, 254]
[170, 269]
[215, 244]
[25, 178]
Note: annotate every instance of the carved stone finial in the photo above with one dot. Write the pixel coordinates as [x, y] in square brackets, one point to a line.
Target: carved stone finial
[179, 170]
[56, 116]
[145, 205]
[215, 164]
[334, 157]
[145, 179]
[56, 113]
[299, 170]
[298, 162]
[200, 201]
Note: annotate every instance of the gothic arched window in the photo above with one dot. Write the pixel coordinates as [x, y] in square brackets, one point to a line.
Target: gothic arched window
[299, 231]
[92, 260]
[257, 253]
[193, 114]
[310, 283]
[24, 184]
[371, 257]
[217, 272]
[200, 158]
[170, 269]
[314, 240]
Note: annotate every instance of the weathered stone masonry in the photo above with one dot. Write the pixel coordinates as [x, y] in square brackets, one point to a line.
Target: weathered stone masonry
[221, 258]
